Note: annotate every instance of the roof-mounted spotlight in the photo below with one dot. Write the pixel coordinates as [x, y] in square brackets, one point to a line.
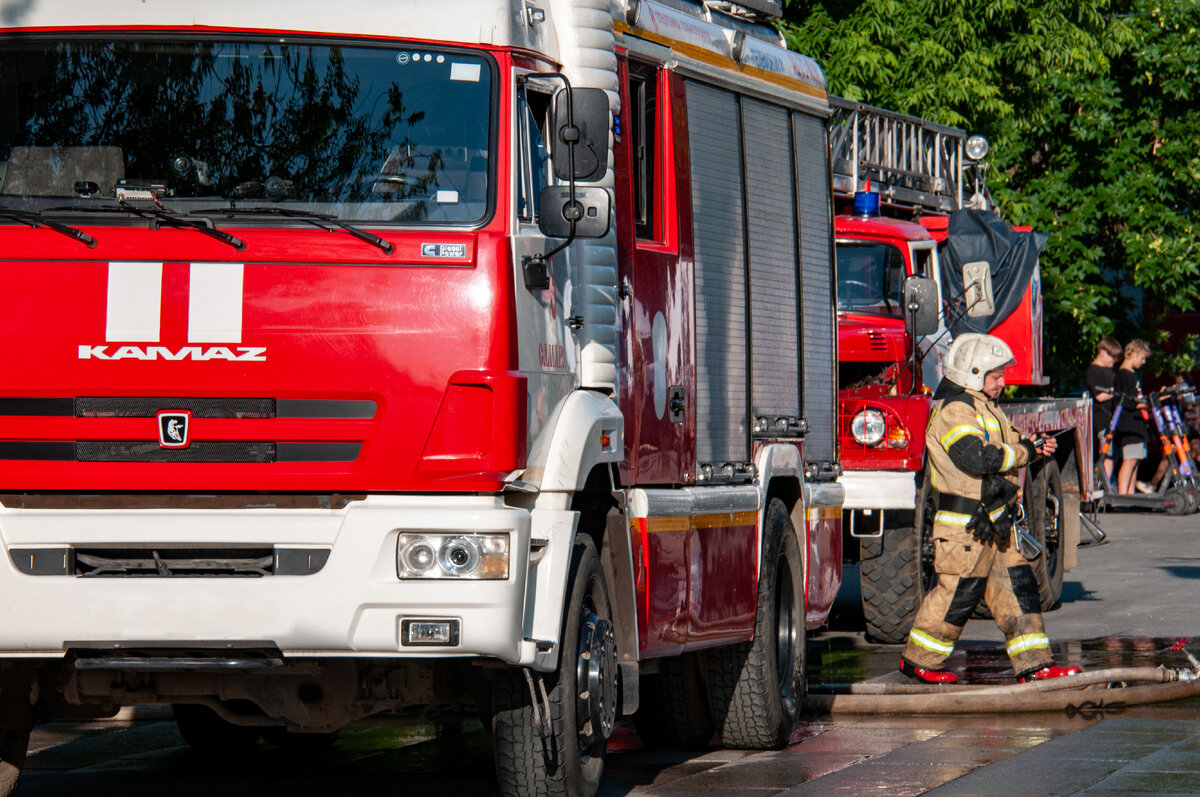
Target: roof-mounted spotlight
[977, 147]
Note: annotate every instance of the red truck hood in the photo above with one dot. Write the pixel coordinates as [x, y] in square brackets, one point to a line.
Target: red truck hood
[308, 362]
[871, 338]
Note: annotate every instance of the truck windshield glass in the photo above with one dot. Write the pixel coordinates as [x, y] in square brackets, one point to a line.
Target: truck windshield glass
[870, 278]
[397, 133]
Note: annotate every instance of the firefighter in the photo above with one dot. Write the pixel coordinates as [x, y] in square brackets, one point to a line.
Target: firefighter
[975, 455]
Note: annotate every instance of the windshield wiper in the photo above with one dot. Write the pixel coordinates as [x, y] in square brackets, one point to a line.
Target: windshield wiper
[167, 217]
[34, 219]
[316, 219]
[172, 219]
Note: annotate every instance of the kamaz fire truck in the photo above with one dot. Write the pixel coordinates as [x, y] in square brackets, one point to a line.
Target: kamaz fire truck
[396, 359]
[913, 209]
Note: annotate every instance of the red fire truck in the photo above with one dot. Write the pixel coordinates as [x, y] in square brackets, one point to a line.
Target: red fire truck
[917, 175]
[390, 360]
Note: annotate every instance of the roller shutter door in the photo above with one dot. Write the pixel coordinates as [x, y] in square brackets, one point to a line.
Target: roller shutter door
[722, 414]
[771, 232]
[816, 280]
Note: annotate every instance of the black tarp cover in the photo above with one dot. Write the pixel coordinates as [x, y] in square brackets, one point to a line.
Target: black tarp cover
[1012, 256]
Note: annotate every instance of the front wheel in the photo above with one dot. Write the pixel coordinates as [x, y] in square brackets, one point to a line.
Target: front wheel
[756, 687]
[896, 570]
[581, 692]
[1175, 501]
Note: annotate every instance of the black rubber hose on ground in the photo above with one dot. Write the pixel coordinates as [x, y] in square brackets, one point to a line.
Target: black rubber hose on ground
[1073, 692]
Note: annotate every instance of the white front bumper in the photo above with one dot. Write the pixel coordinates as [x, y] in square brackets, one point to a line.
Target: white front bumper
[352, 606]
[879, 489]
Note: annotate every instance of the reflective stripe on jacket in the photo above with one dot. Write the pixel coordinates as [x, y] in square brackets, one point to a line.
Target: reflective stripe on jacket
[969, 437]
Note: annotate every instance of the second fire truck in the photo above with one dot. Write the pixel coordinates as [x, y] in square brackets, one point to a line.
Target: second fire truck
[903, 186]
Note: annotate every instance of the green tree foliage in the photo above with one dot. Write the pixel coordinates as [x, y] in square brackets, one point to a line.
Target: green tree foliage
[1093, 112]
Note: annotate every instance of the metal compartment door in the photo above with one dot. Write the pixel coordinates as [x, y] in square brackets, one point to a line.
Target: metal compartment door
[774, 275]
[816, 279]
[722, 411]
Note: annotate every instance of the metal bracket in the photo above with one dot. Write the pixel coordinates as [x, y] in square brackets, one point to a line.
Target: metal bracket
[536, 272]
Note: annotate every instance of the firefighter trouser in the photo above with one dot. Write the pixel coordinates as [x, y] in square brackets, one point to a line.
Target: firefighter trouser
[969, 571]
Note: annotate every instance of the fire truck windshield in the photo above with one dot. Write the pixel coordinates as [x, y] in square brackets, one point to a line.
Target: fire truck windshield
[383, 134]
[870, 278]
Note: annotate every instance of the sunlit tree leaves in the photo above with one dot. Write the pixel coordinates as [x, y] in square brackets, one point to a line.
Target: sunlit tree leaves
[1093, 114]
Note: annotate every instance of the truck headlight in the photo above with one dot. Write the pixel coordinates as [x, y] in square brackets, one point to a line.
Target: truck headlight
[452, 555]
[867, 427]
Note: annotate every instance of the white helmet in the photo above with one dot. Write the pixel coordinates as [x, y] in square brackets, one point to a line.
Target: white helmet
[972, 355]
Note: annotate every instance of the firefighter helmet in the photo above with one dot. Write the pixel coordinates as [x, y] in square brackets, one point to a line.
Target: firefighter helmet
[973, 355]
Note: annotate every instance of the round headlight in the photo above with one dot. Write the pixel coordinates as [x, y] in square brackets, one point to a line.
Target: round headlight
[868, 427]
[417, 555]
[459, 555]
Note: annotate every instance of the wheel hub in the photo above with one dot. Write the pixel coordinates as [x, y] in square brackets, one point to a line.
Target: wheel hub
[596, 698]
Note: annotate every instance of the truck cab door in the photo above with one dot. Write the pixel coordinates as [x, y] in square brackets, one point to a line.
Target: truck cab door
[656, 387]
[546, 348]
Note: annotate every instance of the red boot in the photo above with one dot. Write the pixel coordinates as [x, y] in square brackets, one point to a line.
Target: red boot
[1052, 671]
[928, 676]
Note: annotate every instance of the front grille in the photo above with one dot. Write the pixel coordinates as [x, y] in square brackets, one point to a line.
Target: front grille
[200, 407]
[217, 500]
[169, 562]
[186, 562]
[200, 451]
[139, 407]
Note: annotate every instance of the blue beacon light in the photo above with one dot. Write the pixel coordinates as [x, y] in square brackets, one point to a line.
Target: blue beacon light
[866, 203]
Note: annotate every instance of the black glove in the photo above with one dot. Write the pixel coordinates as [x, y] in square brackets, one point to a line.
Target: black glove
[995, 492]
[996, 532]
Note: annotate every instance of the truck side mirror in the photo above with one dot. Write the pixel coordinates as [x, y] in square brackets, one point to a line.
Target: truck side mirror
[587, 109]
[977, 289]
[589, 211]
[920, 306]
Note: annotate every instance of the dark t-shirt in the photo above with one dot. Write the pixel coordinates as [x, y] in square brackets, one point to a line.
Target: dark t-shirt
[1100, 380]
[1129, 384]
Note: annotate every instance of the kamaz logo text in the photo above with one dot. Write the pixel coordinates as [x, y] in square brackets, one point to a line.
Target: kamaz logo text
[251, 354]
[134, 315]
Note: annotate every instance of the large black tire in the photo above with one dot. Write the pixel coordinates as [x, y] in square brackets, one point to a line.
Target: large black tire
[755, 688]
[673, 712]
[896, 571]
[16, 723]
[1043, 509]
[582, 694]
[206, 732]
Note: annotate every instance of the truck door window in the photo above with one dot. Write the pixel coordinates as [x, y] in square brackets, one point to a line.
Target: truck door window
[870, 278]
[643, 120]
[922, 262]
[534, 161]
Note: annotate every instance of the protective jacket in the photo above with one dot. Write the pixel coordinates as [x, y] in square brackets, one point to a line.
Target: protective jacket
[975, 457]
[973, 439]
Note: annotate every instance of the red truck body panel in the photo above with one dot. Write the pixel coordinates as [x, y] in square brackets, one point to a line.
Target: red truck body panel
[340, 325]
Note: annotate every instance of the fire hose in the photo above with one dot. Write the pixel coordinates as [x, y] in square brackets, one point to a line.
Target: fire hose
[1124, 686]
